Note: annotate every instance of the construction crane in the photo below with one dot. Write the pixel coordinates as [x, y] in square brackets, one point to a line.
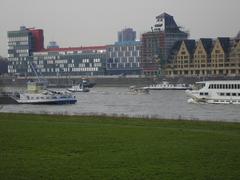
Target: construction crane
[38, 74]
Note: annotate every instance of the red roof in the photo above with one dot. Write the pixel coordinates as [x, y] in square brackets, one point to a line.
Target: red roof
[75, 49]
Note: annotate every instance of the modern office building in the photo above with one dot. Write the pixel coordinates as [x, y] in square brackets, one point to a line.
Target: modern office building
[26, 51]
[127, 34]
[123, 57]
[157, 43]
[21, 45]
[207, 57]
[37, 38]
[80, 61]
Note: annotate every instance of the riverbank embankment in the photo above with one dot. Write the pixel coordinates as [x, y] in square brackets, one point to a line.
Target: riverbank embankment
[78, 147]
[107, 81]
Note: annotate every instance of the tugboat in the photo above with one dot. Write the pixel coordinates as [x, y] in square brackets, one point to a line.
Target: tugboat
[78, 88]
[87, 84]
[37, 94]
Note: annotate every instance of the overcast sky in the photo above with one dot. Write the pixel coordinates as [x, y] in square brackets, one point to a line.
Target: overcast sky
[96, 22]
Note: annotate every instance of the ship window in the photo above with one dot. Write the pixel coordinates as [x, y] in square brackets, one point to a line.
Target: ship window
[224, 86]
[218, 86]
[201, 94]
[221, 86]
[228, 94]
[238, 86]
[215, 86]
[238, 94]
[206, 94]
[221, 94]
[234, 94]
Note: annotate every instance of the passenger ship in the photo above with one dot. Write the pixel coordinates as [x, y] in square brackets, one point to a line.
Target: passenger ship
[216, 92]
[167, 86]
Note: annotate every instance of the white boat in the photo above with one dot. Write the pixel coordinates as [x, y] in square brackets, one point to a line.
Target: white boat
[78, 88]
[216, 92]
[168, 86]
[133, 90]
[37, 94]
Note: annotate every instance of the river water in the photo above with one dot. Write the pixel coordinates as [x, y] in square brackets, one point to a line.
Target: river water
[115, 101]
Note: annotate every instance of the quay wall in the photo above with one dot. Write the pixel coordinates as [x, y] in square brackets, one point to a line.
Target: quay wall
[108, 81]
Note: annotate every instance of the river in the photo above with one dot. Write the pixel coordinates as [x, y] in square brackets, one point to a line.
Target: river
[115, 101]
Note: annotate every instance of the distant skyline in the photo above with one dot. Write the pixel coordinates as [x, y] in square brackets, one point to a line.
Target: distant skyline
[76, 23]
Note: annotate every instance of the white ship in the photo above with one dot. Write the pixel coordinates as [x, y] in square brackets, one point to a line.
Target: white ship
[167, 86]
[216, 92]
[78, 88]
[37, 94]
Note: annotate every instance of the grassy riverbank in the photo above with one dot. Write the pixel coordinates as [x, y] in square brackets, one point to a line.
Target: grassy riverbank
[64, 147]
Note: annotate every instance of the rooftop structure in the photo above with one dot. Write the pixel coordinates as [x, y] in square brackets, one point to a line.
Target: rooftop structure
[52, 45]
[166, 22]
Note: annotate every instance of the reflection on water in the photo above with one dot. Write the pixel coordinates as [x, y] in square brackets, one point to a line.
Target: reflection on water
[118, 102]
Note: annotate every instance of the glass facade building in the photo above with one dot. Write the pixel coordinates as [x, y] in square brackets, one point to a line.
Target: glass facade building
[83, 61]
[127, 34]
[20, 49]
[124, 58]
[26, 50]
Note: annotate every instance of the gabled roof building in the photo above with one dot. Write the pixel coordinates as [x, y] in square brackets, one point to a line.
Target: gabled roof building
[207, 57]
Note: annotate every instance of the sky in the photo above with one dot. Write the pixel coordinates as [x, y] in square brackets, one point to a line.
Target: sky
[73, 23]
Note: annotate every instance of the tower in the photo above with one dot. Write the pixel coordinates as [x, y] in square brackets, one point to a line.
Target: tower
[157, 43]
[21, 45]
[126, 35]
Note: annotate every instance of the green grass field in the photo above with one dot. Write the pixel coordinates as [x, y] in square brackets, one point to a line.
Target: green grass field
[65, 147]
